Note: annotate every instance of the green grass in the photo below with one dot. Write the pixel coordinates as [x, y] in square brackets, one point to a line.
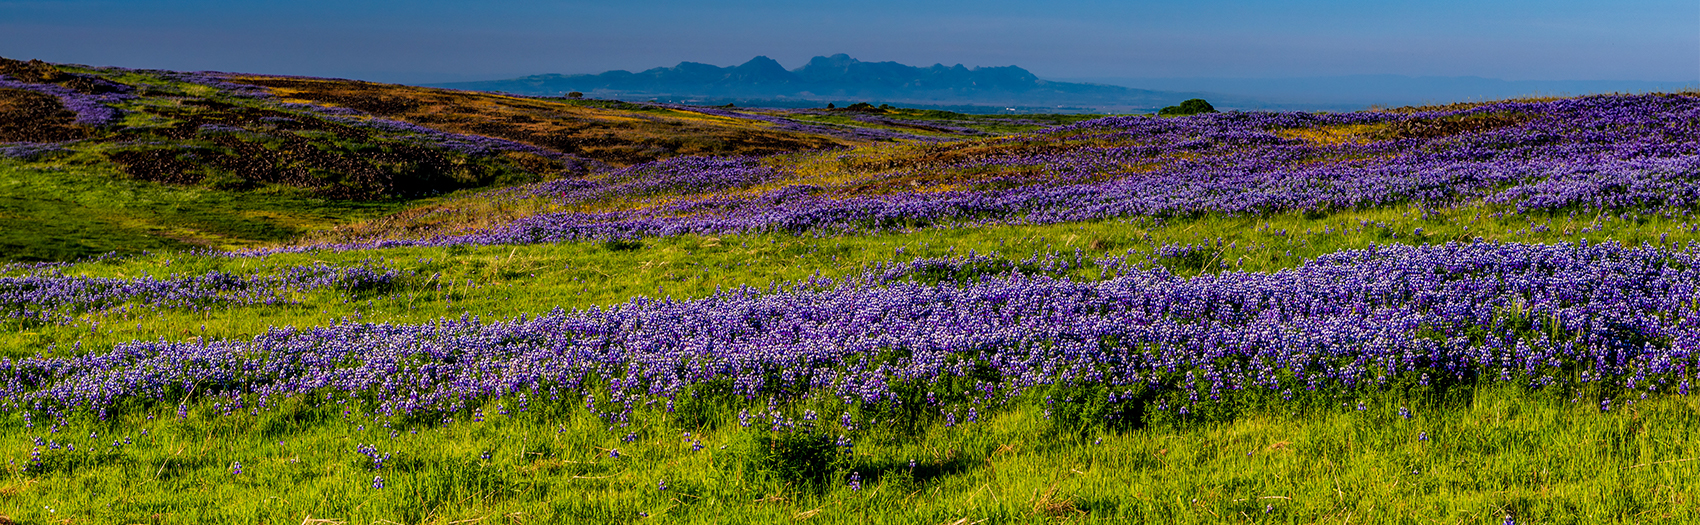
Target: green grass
[78, 206]
[1503, 451]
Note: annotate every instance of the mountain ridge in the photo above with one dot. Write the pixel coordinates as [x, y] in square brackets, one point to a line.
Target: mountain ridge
[837, 77]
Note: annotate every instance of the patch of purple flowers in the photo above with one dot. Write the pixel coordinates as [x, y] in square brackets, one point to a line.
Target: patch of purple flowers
[1600, 152]
[1351, 322]
[47, 296]
[91, 109]
[29, 150]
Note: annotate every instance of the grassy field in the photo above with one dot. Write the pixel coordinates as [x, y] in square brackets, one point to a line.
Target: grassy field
[79, 207]
[1479, 457]
[506, 281]
[1488, 457]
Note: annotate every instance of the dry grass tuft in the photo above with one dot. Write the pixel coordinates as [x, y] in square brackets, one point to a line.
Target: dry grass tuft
[1050, 504]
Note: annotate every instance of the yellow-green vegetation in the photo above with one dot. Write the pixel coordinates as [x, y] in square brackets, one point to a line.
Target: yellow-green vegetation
[78, 207]
[1477, 459]
[1491, 454]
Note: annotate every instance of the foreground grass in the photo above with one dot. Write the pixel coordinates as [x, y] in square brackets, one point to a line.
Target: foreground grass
[1502, 452]
[1537, 457]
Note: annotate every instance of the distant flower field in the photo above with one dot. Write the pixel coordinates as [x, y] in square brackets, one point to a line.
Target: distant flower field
[1595, 153]
[971, 333]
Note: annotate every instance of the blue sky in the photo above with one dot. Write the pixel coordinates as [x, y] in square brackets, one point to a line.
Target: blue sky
[431, 40]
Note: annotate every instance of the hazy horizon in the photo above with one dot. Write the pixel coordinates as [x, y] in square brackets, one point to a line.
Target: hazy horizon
[1338, 92]
[442, 41]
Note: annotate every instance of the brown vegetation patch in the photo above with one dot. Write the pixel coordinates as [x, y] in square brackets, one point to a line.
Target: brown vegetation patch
[1458, 106]
[38, 72]
[923, 181]
[1050, 504]
[1420, 128]
[272, 149]
[958, 153]
[34, 71]
[1449, 126]
[27, 116]
[618, 138]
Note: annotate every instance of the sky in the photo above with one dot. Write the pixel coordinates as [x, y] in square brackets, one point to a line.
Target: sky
[421, 41]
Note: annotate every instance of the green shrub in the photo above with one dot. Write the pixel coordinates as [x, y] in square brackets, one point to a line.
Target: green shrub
[1189, 107]
[801, 458]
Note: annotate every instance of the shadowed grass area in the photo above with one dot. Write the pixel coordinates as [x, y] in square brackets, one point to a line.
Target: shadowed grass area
[77, 207]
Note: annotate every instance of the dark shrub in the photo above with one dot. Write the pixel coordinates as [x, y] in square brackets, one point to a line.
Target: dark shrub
[801, 458]
[1190, 107]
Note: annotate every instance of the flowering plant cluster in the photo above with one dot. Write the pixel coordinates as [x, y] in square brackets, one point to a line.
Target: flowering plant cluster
[473, 145]
[1600, 152]
[949, 339]
[92, 109]
[29, 150]
[50, 297]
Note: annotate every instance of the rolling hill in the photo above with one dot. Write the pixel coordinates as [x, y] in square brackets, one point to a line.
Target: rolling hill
[96, 160]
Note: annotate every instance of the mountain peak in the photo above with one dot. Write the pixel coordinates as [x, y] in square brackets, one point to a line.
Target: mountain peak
[761, 62]
[760, 70]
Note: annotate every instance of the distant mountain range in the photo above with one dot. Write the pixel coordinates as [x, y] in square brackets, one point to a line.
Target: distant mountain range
[840, 78]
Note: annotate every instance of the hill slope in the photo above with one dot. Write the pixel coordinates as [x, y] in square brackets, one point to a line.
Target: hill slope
[94, 160]
[1536, 154]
